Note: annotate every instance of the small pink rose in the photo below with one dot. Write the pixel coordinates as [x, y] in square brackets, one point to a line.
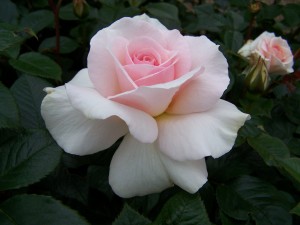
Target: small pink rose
[274, 50]
[158, 89]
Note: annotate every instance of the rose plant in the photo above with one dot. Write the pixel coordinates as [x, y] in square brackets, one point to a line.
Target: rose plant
[158, 89]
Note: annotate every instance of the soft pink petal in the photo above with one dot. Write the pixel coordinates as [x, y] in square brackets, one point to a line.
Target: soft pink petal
[148, 46]
[195, 136]
[164, 75]
[154, 99]
[72, 130]
[88, 101]
[136, 169]
[178, 43]
[189, 175]
[202, 93]
[104, 65]
[125, 82]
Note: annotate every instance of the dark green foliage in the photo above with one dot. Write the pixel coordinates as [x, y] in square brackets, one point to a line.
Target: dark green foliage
[257, 182]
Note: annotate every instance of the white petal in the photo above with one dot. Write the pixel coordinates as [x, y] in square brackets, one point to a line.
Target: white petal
[82, 79]
[73, 131]
[194, 136]
[87, 100]
[152, 21]
[136, 169]
[189, 175]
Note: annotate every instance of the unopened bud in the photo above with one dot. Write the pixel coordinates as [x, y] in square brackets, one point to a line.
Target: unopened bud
[80, 8]
[257, 77]
[255, 7]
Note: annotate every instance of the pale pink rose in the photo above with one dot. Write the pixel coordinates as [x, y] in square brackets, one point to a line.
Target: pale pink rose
[160, 90]
[274, 50]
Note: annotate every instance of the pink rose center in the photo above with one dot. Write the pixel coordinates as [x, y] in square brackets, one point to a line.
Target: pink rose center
[147, 62]
[146, 56]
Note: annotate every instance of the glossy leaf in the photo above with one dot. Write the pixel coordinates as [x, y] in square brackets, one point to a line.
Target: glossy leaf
[27, 158]
[249, 196]
[37, 209]
[28, 92]
[271, 149]
[36, 64]
[296, 209]
[292, 166]
[67, 45]
[37, 20]
[8, 11]
[9, 112]
[233, 40]
[129, 216]
[205, 12]
[183, 209]
[165, 12]
[8, 40]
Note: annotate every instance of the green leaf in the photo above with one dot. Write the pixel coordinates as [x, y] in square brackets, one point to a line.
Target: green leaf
[291, 13]
[28, 92]
[232, 204]
[36, 64]
[37, 20]
[268, 12]
[292, 107]
[271, 149]
[167, 13]
[68, 185]
[9, 112]
[9, 39]
[292, 166]
[183, 209]
[98, 178]
[67, 45]
[256, 105]
[8, 12]
[129, 216]
[236, 21]
[233, 40]
[229, 166]
[27, 158]
[205, 12]
[251, 196]
[250, 129]
[37, 209]
[66, 12]
[296, 209]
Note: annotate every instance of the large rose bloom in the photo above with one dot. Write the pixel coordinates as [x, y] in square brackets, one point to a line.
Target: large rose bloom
[160, 90]
[275, 52]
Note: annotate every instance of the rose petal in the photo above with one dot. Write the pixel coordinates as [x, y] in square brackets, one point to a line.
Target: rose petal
[152, 21]
[104, 65]
[136, 169]
[72, 130]
[275, 66]
[141, 125]
[148, 46]
[202, 93]
[82, 79]
[195, 136]
[154, 99]
[189, 175]
[102, 68]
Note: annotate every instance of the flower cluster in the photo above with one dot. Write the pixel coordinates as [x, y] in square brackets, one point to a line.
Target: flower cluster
[267, 55]
[158, 89]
